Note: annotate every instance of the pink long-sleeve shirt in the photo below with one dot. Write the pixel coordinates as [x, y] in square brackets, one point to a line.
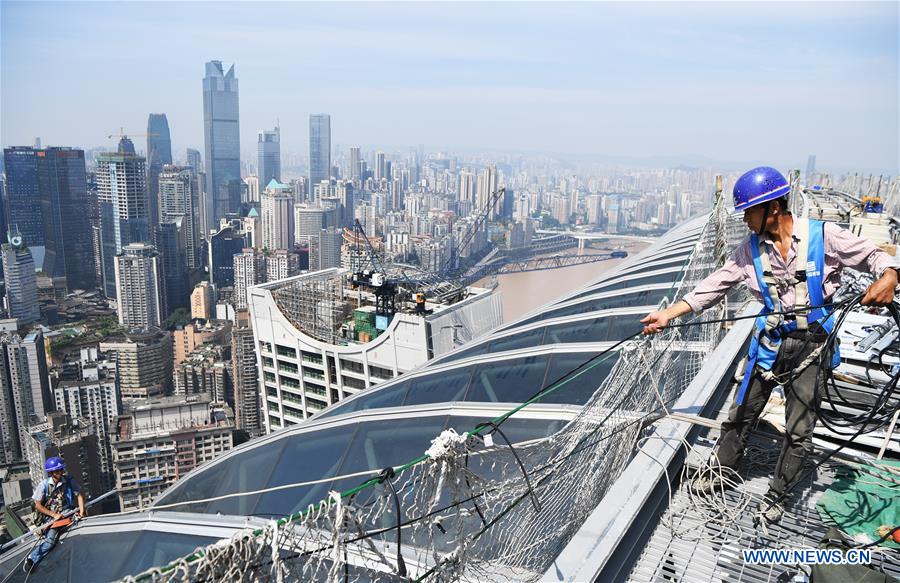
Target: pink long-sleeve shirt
[842, 249]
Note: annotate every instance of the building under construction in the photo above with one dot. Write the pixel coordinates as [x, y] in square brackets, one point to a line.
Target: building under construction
[327, 335]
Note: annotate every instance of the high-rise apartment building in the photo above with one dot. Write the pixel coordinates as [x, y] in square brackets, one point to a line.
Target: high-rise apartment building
[25, 390]
[325, 249]
[252, 183]
[202, 301]
[319, 149]
[487, 185]
[143, 361]
[281, 264]
[277, 216]
[124, 207]
[223, 146]
[179, 196]
[245, 375]
[21, 283]
[160, 442]
[308, 221]
[249, 270]
[76, 442]
[139, 287]
[159, 154]
[268, 149]
[98, 401]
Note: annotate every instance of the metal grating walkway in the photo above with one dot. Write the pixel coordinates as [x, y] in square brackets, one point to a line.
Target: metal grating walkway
[665, 558]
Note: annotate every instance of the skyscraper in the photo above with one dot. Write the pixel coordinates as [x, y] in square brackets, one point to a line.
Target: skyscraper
[277, 216]
[223, 147]
[139, 287]
[21, 283]
[319, 149]
[67, 229]
[47, 199]
[124, 208]
[380, 166]
[354, 165]
[172, 248]
[159, 154]
[179, 195]
[268, 149]
[325, 249]
[223, 245]
[23, 196]
[193, 160]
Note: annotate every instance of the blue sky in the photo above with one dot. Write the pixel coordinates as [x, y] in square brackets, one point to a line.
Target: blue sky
[732, 82]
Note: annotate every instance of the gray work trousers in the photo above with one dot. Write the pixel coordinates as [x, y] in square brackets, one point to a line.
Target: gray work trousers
[800, 414]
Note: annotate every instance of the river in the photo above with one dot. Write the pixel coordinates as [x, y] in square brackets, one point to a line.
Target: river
[521, 293]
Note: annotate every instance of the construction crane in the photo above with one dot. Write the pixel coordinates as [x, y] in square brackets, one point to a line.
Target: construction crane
[122, 134]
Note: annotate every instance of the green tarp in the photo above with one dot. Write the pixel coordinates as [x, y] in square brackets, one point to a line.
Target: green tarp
[861, 500]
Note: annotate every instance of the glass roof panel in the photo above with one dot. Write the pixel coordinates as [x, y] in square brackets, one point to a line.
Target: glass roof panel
[374, 398]
[649, 297]
[383, 443]
[100, 557]
[242, 472]
[439, 388]
[508, 381]
[306, 457]
[525, 339]
[250, 472]
[159, 548]
[578, 387]
[629, 282]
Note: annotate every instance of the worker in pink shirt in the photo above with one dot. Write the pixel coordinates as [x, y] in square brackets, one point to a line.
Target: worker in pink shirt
[790, 266]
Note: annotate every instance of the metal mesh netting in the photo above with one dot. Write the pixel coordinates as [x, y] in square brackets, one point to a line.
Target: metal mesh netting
[474, 507]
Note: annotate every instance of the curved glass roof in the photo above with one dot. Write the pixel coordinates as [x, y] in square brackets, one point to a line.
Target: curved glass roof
[394, 422]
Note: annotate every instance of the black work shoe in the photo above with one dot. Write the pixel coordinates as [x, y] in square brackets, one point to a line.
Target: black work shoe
[28, 566]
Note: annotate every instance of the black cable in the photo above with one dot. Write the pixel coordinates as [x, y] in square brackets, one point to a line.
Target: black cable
[496, 427]
[386, 475]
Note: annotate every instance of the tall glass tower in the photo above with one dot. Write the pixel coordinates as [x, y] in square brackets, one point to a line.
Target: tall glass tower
[268, 148]
[223, 147]
[159, 153]
[319, 149]
[47, 200]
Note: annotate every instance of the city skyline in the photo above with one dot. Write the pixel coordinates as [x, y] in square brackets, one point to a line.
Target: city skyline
[680, 82]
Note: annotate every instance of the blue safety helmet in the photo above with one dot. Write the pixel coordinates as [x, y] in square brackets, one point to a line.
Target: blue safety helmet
[758, 186]
[54, 463]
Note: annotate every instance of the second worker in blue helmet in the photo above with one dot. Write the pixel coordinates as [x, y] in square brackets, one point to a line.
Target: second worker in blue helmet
[789, 265]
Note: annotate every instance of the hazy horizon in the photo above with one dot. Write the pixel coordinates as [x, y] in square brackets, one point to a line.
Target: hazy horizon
[731, 83]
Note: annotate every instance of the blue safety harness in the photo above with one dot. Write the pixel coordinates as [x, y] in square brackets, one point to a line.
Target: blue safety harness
[771, 326]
